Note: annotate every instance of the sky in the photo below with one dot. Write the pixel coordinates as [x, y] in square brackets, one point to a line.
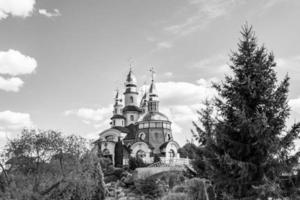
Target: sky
[61, 61]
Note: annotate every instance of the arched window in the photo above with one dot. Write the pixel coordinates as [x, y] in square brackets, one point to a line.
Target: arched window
[131, 117]
[106, 152]
[131, 99]
[142, 136]
[171, 153]
[140, 154]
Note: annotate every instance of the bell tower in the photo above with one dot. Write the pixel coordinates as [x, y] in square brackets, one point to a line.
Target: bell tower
[131, 110]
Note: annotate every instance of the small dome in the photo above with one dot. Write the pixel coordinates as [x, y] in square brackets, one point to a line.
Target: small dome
[131, 79]
[154, 116]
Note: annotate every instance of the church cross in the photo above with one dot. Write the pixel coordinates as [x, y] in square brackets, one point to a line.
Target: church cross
[152, 72]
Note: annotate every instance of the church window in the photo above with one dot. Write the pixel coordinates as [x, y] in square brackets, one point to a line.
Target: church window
[152, 124]
[131, 99]
[141, 126]
[146, 125]
[142, 136]
[171, 153]
[159, 124]
[106, 152]
[131, 117]
[140, 154]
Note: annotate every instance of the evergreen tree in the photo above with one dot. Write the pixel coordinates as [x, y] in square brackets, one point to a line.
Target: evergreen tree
[119, 153]
[247, 151]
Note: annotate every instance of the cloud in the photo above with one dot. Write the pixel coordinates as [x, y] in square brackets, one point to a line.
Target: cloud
[46, 13]
[18, 8]
[168, 74]
[11, 84]
[15, 120]
[206, 12]
[13, 62]
[295, 105]
[180, 101]
[164, 45]
[98, 118]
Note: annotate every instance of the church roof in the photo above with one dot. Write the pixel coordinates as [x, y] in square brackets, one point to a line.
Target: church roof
[118, 117]
[164, 145]
[132, 130]
[131, 108]
[154, 116]
[122, 129]
[131, 79]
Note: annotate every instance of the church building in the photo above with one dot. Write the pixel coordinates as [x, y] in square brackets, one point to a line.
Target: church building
[139, 126]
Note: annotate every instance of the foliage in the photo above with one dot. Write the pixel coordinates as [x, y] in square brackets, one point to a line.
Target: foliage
[152, 188]
[197, 189]
[119, 154]
[136, 162]
[45, 165]
[175, 196]
[246, 149]
[156, 158]
[188, 151]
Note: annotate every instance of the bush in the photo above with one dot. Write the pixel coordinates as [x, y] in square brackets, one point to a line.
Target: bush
[136, 162]
[175, 196]
[180, 189]
[152, 188]
[196, 189]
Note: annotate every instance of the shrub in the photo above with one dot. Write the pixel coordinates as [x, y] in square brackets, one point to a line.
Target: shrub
[175, 196]
[180, 189]
[152, 188]
[196, 189]
[136, 162]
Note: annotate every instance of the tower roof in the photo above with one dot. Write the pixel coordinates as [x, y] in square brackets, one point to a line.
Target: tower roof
[153, 96]
[118, 98]
[131, 79]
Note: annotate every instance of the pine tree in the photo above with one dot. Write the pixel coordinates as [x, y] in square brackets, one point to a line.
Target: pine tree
[119, 153]
[248, 150]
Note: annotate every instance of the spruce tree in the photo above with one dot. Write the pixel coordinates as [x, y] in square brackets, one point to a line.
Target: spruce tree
[248, 151]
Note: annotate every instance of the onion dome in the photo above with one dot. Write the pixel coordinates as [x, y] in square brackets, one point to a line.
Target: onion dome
[154, 116]
[118, 99]
[153, 96]
[131, 79]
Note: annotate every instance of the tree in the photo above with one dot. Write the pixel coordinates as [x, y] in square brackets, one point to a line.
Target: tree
[47, 165]
[247, 149]
[119, 153]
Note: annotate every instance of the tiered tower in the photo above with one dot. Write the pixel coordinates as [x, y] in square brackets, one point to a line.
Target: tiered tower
[131, 110]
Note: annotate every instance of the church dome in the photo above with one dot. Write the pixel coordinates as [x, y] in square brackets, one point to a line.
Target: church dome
[131, 79]
[154, 116]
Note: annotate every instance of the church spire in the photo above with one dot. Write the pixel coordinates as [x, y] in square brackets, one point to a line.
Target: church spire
[153, 96]
[117, 118]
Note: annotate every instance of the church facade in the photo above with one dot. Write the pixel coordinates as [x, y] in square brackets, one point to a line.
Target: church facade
[139, 126]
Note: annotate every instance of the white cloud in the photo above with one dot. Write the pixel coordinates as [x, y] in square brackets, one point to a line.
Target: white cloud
[15, 120]
[11, 84]
[206, 12]
[180, 102]
[295, 104]
[46, 13]
[18, 8]
[168, 74]
[98, 118]
[13, 62]
[217, 61]
[164, 45]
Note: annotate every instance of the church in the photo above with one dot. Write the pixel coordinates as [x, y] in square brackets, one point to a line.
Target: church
[138, 126]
